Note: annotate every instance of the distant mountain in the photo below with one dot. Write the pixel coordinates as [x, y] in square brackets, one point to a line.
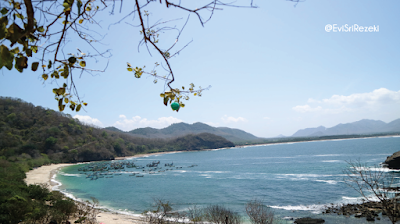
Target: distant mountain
[181, 129]
[364, 126]
[113, 129]
[32, 136]
[309, 131]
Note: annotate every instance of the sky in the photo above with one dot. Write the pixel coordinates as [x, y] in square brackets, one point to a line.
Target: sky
[273, 70]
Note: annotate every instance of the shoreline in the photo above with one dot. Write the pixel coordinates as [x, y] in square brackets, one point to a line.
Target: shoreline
[316, 140]
[46, 174]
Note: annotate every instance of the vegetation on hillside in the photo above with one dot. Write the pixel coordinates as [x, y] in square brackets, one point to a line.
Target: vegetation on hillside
[32, 136]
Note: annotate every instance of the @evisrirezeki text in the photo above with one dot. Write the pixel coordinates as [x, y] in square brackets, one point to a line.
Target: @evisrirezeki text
[351, 28]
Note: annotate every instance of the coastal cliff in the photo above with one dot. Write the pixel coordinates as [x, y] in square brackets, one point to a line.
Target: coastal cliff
[393, 161]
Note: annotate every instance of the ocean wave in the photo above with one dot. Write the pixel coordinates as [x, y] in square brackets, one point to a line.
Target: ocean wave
[351, 198]
[328, 181]
[70, 174]
[180, 171]
[376, 169]
[329, 155]
[219, 172]
[206, 175]
[304, 175]
[313, 208]
[332, 161]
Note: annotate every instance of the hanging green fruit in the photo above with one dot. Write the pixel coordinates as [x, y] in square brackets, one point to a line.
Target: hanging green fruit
[175, 106]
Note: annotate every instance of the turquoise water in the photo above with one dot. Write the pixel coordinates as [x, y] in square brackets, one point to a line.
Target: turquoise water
[296, 179]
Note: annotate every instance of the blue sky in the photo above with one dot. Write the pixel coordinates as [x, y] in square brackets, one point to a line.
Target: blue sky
[273, 70]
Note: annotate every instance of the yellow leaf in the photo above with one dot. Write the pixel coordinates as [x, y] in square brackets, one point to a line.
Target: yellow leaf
[130, 69]
[82, 64]
[85, 104]
[66, 100]
[45, 76]
[43, 66]
[80, 21]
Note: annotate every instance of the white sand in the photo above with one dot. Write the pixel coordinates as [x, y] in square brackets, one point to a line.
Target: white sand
[43, 175]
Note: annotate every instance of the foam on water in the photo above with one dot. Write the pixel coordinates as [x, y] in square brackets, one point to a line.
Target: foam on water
[332, 161]
[328, 181]
[314, 208]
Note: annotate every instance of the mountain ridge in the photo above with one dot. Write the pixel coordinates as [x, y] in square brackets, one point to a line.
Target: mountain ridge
[364, 126]
[181, 129]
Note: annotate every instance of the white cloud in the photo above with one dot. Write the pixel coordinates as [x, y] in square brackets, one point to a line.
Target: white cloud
[135, 122]
[227, 119]
[376, 97]
[374, 100]
[306, 108]
[89, 120]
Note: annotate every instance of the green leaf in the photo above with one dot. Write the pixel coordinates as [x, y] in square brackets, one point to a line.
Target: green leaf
[34, 49]
[19, 16]
[3, 25]
[82, 63]
[40, 29]
[21, 63]
[49, 65]
[166, 101]
[35, 66]
[72, 60]
[55, 75]
[28, 52]
[14, 51]
[78, 108]
[6, 57]
[130, 69]
[79, 5]
[14, 33]
[4, 11]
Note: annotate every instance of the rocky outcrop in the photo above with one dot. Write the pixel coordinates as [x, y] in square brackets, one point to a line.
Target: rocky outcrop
[393, 161]
[369, 210]
[308, 220]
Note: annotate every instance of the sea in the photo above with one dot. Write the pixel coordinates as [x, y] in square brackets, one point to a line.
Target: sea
[294, 179]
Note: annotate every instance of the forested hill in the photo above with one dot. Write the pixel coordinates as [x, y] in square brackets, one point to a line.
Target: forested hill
[33, 135]
[181, 129]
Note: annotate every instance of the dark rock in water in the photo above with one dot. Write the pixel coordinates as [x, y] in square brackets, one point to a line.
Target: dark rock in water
[309, 220]
[370, 218]
[393, 161]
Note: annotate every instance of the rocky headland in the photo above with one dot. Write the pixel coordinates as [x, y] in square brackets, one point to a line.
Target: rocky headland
[393, 161]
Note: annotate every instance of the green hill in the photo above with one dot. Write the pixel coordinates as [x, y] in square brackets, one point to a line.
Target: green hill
[33, 136]
[181, 129]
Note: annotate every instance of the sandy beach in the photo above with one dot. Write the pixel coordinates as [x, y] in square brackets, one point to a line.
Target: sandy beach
[44, 174]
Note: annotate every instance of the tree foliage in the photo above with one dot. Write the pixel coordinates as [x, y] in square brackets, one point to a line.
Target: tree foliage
[373, 183]
[38, 136]
[42, 29]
